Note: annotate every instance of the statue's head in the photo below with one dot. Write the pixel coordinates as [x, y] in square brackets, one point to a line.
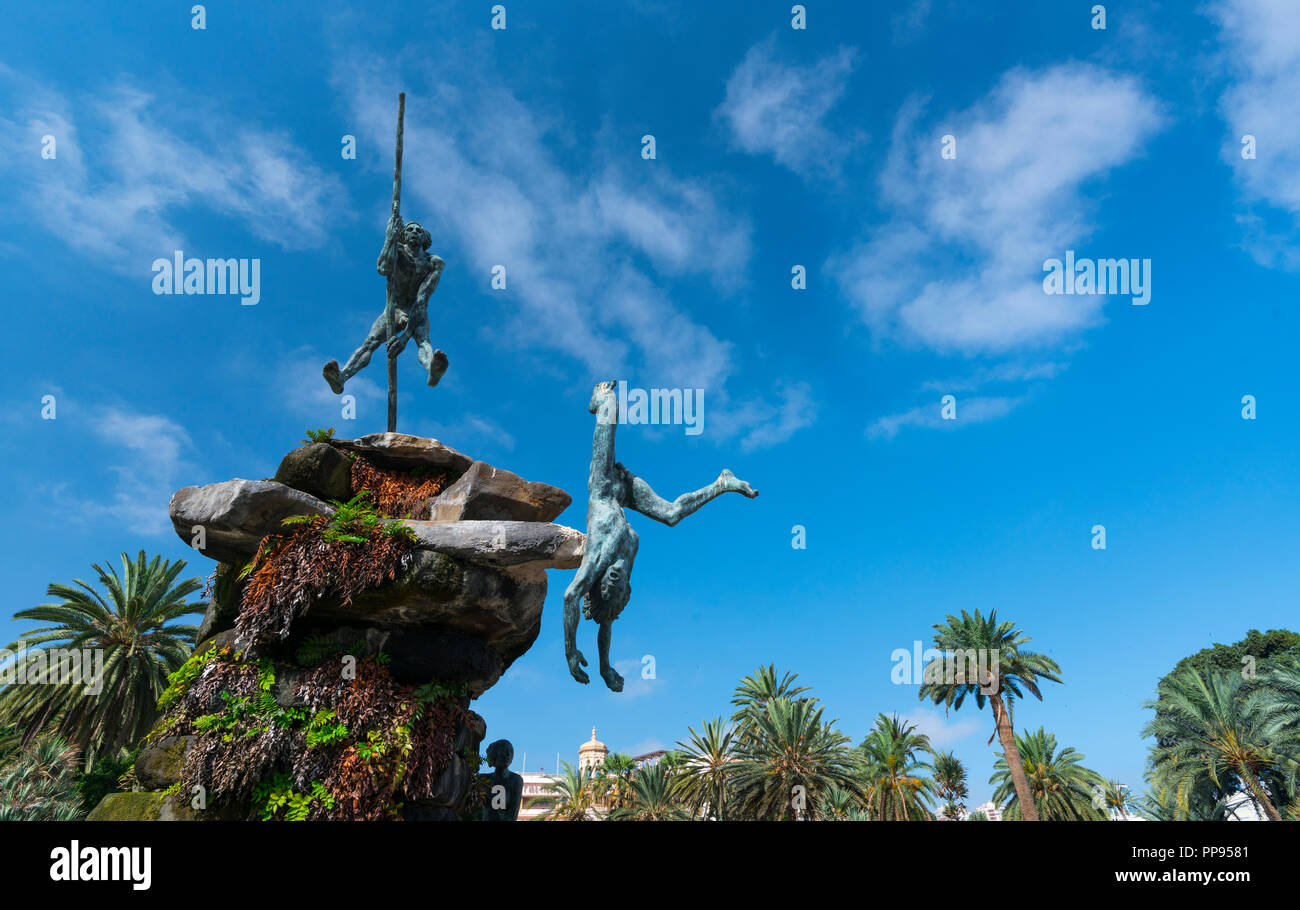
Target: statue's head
[416, 237]
[500, 754]
[602, 391]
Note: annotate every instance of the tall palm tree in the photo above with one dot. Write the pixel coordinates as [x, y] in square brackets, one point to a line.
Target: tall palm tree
[129, 622]
[707, 764]
[1217, 729]
[1063, 789]
[896, 791]
[573, 796]
[950, 784]
[39, 783]
[652, 797]
[1017, 671]
[789, 762]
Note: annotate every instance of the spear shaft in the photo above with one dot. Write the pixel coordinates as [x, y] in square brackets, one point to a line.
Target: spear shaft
[392, 275]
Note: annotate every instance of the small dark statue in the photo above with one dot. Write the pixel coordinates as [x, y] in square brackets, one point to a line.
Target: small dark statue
[505, 789]
[603, 583]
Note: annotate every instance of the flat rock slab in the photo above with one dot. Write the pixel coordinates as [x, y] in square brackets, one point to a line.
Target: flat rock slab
[398, 450]
[485, 493]
[531, 544]
[237, 514]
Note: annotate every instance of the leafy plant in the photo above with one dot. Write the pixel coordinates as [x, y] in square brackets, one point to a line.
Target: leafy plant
[320, 435]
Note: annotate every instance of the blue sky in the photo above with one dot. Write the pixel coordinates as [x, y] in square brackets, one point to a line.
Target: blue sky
[775, 147]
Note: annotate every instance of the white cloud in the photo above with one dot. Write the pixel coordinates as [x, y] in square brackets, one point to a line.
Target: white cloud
[116, 194]
[1261, 41]
[148, 453]
[771, 424]
[960, 266]
[942, 730]
[777, 109]
[969, 411]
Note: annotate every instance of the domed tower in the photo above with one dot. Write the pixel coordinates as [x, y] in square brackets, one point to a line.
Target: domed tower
[591, 754]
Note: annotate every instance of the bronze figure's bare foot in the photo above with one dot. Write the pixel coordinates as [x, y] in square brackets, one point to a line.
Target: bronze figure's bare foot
[732, 484]
[332, 376]
[437, 367]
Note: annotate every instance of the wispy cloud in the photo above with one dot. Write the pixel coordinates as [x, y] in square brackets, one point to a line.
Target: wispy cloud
[776, 108]
[942, 730]
[960, 266]
[1261, 54]
[969, 411]
[152, 158]
[146, 454]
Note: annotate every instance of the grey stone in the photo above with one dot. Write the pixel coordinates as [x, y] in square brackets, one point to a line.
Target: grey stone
[499, 608]
[525, 544]
[398, 450]
[318, 469]
[416, 656]
[237, 514]
[159, 765]
[485, 493]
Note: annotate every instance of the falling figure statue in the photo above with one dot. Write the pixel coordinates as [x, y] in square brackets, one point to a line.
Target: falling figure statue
[603, 583]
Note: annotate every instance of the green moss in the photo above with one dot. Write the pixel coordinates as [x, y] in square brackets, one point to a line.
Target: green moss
[128, 807]
[447, 574]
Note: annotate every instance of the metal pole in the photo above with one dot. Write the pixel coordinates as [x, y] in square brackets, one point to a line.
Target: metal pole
[397, 202]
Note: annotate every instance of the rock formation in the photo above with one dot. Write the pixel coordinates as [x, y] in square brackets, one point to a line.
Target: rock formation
[462, 602]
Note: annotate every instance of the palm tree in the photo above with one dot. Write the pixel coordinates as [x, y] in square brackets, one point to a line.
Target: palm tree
[895, 789]
[789, 761]
[128, 625]
[652, 797]
[39, 783]
[709, 759]
[950, 783]
[1063, 789]
[1115, 797]
[757, 690]
[841, 806]
[573, 797]
[1219, 730]
[615, 779]
[1009, 673]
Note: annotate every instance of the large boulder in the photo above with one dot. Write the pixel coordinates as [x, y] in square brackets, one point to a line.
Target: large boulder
[485, 493]
[159, 764]
[499, 609]
[236, 514]
[398, 450]
[318, 469]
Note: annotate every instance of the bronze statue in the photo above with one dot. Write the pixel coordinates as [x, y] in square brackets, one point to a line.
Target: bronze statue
[603, 583]
[412, 274]
[505, 789]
